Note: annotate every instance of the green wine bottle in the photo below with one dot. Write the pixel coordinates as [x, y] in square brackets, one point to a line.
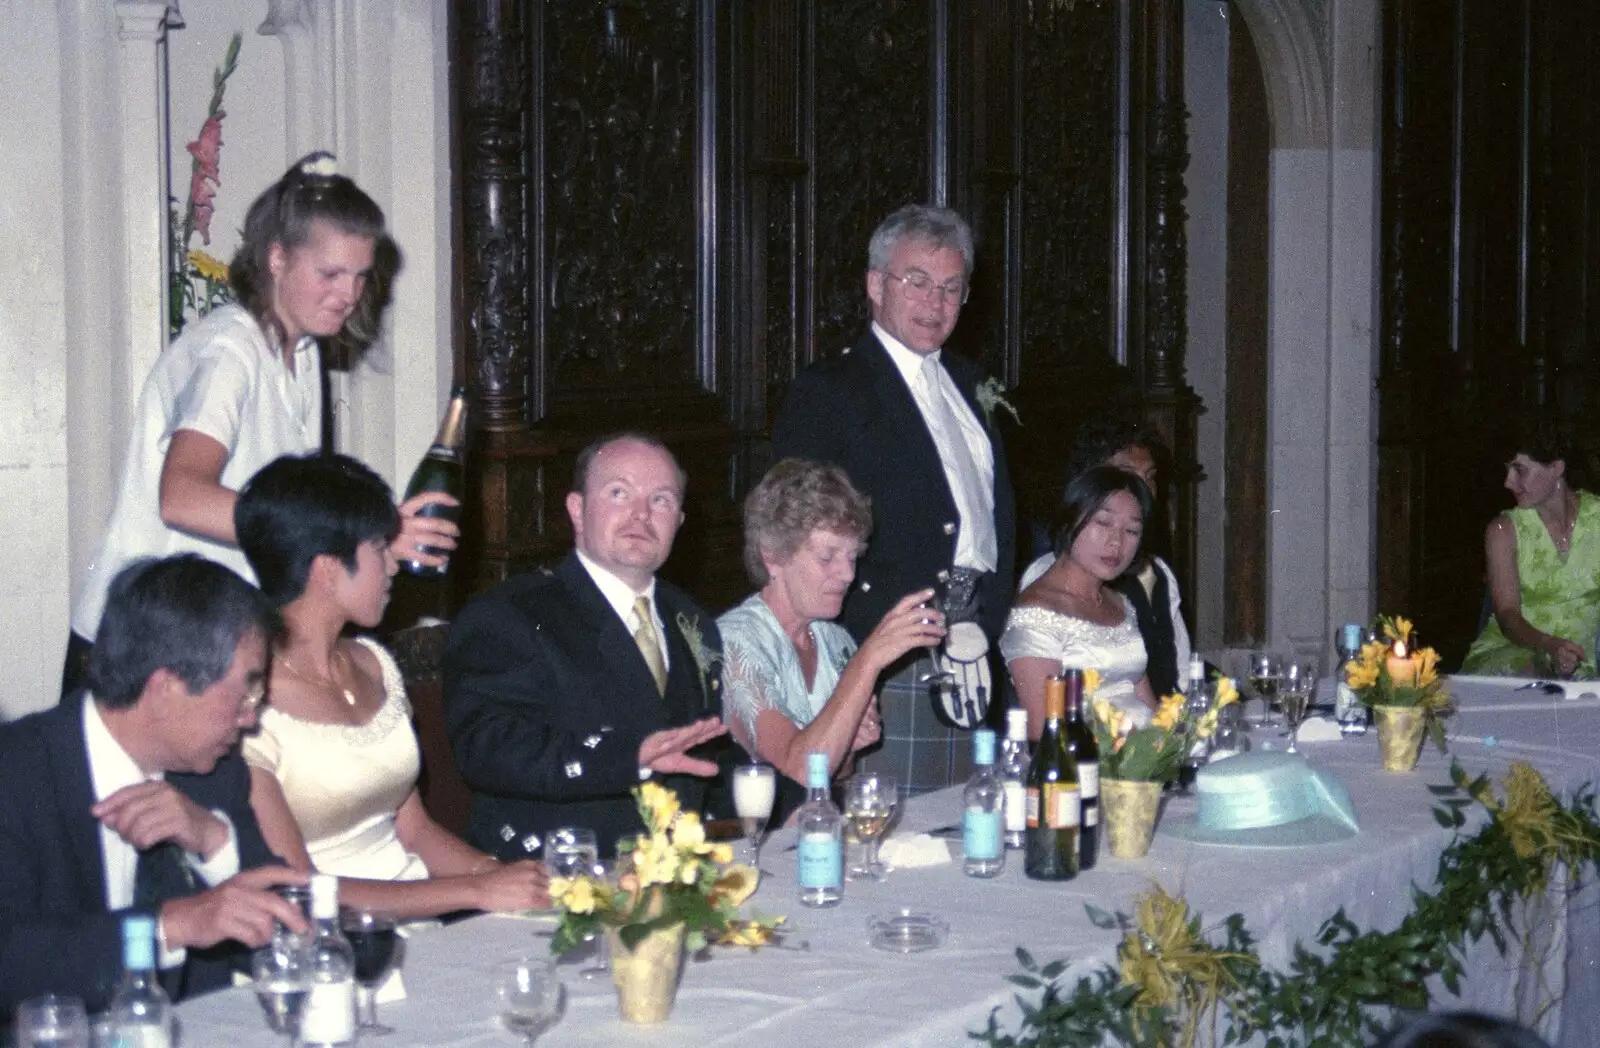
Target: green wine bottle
[441, 469]
[1054, 803]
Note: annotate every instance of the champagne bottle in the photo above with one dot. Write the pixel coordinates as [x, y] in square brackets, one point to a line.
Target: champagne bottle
[330, 1013]
[982, 821]
[441, 469]
[821, 845]
[1053, 800]
[1086, 752]
[140, 1013]
[1014, 774]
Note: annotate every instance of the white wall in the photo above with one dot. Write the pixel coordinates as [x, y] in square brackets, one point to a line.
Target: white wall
[77, 324]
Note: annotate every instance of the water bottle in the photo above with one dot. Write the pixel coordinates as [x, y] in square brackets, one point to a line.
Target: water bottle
[821, 844]
[1014, 758]
[982, 819]
[330, 1012]
[140, 1015]
[1347, 707]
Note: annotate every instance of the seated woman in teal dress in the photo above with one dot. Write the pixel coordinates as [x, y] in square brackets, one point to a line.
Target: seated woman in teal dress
[793, 680]
[1544, 568]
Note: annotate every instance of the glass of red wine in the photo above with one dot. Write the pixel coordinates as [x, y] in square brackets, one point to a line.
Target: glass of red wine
[372, 939]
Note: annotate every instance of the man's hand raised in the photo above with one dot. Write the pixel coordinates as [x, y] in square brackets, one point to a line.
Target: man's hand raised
[667, 752]
[152, 812]
[243, 908]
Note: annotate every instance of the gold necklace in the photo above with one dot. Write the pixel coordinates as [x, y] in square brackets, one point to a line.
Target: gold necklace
[324, 682]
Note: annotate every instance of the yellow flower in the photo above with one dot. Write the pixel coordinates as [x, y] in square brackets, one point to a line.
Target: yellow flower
[1227, 692]
[721, 854]
[658, 805]
[1398, 628]
[1091, 682]
[209, 266]
[1166, 717]
[1427, 667]
[1207, 725]
[656, 860]
[574, 894]
[750, 933]
[689, 833]
[1361, 674]
[689, 872]
[736, 884]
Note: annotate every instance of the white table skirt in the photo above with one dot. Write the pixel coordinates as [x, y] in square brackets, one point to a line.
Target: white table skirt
[839, 991]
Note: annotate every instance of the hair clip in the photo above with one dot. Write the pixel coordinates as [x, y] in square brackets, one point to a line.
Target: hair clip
[322, 166]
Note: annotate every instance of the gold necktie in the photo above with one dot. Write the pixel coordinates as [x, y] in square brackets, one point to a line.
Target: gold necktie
[644, 635]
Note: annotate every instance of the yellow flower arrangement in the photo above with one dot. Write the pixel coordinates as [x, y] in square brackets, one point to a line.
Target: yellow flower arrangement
[1152, 753]
[1371, 674]
[671, 874]
[1172, 968]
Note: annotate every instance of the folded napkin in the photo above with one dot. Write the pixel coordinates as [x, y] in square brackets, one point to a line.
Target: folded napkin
[1318, 729]
[913, 850]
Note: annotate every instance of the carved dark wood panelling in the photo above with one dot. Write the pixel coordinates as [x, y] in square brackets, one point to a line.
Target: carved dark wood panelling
[872, 87]
[1069, 124]
[621, 224]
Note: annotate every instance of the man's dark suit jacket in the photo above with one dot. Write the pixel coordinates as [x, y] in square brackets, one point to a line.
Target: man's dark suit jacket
[56, 935]
[857, 411]
[547, 701]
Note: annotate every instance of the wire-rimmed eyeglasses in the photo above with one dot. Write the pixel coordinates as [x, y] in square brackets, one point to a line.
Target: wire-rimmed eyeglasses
[920, 287]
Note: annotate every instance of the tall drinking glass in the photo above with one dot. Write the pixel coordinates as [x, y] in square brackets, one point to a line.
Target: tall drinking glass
[281, 973]
[1266, 674]
[870, 799]
[936, 679]
[599, 966]
[573, 851]
[755, 789]
[52, 1021]
[373, 940]
[529, 995]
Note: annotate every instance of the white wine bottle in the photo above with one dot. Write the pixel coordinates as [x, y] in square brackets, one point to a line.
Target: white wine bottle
[442, 469]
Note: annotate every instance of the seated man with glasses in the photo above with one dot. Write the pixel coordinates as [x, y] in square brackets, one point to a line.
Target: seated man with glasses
[133, 799]
[905, 421]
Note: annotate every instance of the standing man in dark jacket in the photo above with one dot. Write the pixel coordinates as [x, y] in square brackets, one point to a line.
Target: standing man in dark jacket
[906, 422]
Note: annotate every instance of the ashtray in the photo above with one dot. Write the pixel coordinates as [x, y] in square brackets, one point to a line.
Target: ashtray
[906, 931]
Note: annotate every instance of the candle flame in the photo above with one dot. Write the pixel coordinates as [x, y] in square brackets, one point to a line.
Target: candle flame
[1399, 649]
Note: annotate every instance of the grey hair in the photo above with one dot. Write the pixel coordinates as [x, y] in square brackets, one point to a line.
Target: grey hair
[794, 499]
[939, 226]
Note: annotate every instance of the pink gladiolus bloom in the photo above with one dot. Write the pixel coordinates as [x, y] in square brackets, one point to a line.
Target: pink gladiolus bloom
[207, 149]
[201, 193]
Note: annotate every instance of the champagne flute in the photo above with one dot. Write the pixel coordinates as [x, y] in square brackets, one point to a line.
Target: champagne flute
[1266, 673]
[530, 996]
[870, 800]
[755, 789]
[52, 1021]
[281, 973]
[373, 940]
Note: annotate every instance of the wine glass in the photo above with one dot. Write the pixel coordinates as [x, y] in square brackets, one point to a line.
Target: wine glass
[937, 679]
[529, 995]
[599, 965]
[373, 940]
[281, 973]
[1196, 702]
[570, 851]
[755, 788]
[1295, 695]
[870, 799]
[1266, 673]
[52, 1021]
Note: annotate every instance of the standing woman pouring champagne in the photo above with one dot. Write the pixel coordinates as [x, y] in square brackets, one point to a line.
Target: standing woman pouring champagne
[243, 386]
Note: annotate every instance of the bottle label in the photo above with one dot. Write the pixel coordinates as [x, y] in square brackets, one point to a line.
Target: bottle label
[1089, 780]
[1016, 807]
[330, 1015]
[821, 861]
[1091, 814]
[1033, 807]
[980, 834]
[144, 1035]
[1060, 804]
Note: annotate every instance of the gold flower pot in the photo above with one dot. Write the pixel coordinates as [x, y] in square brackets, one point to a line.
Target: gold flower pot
[647, 977]
[1128, 808]
[1400, 731]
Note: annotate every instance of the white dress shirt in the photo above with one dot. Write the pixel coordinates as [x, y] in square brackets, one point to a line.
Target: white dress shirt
[976, 544]
[621, 596]
[111, 769]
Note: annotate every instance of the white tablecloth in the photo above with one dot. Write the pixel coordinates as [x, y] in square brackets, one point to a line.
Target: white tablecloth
[838, 991]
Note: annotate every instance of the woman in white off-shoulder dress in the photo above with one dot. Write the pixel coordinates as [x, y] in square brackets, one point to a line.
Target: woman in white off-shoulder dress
[1071, 616]
[333, 767]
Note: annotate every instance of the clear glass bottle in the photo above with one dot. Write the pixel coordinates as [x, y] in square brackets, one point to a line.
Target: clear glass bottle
[821, 846]
[140, 1014]
[1013, 769]
[330, 1013]
[1347, 707]
[1086, 752]
[982, 812]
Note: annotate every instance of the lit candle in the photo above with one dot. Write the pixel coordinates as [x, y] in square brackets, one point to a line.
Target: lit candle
[1402, 667]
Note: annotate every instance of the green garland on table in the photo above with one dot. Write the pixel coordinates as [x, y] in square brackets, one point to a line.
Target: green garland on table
[1177, 985]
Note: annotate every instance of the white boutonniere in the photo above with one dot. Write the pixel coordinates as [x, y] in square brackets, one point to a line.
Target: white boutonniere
[707, 658]
[990, 394]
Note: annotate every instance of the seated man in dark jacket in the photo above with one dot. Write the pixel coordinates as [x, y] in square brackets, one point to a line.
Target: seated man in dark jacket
[132, 798]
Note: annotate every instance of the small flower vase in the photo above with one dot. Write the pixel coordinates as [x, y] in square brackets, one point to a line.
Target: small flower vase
[1129, 808]
[647, 976]
[1400, 731]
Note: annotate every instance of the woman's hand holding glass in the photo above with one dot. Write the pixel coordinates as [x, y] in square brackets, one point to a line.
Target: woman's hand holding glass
[512, 887]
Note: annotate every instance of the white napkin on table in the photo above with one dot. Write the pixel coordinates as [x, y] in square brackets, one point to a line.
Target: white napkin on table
[1318, 729]
[913, 850]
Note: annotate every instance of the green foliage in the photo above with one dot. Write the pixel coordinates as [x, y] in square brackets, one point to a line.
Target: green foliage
[1337, 993]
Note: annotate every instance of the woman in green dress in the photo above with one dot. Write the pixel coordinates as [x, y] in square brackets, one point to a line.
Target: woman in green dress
[1544, 568]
